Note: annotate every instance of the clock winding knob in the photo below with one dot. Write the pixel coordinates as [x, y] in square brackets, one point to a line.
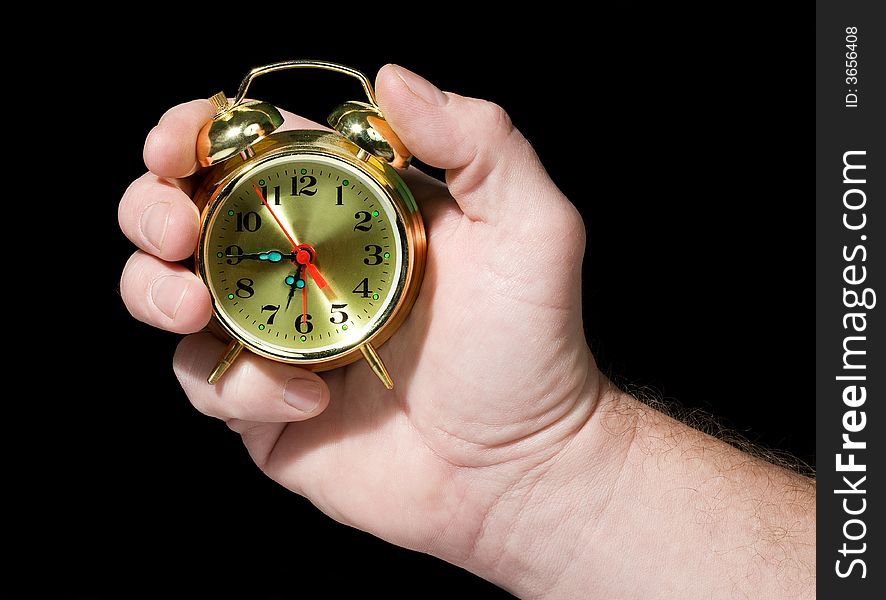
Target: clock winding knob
[219, 102]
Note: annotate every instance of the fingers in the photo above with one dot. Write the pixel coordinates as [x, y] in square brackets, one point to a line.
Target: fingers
[171, 147]
[254, 389]
[493, 173]
[158, 217]
[164, 295]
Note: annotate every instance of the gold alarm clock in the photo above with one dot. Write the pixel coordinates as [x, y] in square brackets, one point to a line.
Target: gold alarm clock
[311, 245]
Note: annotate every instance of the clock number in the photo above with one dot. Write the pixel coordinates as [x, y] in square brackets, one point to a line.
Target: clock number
[338, 312]
[308, 182]
[374, 257]
[364, 217]
[271, 307]
[248, 221]
[303, 324]
[264, 194]
[338, 199]
[244, 288]
[234, 253]
[363, 288]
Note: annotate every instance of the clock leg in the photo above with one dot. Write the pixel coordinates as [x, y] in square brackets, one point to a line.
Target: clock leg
[376, 364]
[226, 360]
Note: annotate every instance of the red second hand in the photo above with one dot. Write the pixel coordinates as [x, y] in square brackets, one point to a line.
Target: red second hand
[303, 257]
[304, 303]
[312, 269]
[273, 214]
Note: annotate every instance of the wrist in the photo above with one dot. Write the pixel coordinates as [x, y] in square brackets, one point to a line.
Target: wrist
[536, 538]
[637, 504]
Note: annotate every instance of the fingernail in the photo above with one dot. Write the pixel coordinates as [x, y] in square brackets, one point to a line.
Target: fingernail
[168, 292]
[153, 223]
[302, 394]
[421, 87]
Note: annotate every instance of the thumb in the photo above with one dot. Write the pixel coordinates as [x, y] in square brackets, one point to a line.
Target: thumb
[492, 171]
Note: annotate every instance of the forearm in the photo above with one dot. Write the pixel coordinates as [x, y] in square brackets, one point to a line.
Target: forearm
[639, 505]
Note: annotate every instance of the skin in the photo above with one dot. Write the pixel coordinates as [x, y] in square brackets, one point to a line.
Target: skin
[502, 449]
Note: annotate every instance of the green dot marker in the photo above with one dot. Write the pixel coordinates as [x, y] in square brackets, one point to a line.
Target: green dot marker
[230, 213]
[345, 182]
[261, 181]
[375, 296]
[302, 338]
[261, 327]
[387, 255]
[375, 213]
[220, 254]
[230, 296]
[303, 171]
[344, 327]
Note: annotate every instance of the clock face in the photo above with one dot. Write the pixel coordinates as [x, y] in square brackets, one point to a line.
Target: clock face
[304, 257]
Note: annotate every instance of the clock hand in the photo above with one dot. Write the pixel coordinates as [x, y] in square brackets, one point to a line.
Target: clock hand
[294, 282]
[273, 256]
[305, 256]
[308, 257]
[289, 297]
[289, 236]
[304, 303]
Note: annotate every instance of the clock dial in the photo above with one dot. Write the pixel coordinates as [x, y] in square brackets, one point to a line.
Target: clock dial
[304, 256]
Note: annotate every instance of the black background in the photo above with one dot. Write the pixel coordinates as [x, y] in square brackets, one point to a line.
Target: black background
[684, 138]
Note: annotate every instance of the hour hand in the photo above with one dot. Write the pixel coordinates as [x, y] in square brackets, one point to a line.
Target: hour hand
[271, 256]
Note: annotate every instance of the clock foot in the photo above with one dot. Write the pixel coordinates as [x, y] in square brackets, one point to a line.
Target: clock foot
[376, 364]
[226, 360]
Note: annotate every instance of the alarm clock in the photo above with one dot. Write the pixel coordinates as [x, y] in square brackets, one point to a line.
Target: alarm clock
[311, 245]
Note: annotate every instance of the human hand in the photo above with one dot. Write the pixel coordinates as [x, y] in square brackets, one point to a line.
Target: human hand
[502, 448]
[494, 377]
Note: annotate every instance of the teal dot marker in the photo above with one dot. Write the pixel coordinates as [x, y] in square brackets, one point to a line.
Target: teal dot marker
[220, 254]
[387, 255]
[261, 327]
[230, 296]
[289, 280]
[300, 283]
[261, 181]
[345, 182]
[303, 171]
[303, 338]
[375, 296]
[263, 256]
[230, 213]
[344, 327]
[274, 256]
[375, 213]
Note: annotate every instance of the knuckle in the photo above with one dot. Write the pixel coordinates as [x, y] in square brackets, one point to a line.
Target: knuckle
[571, 222]
[496, 118]
[130, 279]
[127, 205]
[567, 221]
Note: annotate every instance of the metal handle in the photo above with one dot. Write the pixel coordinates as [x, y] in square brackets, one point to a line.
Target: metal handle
[306, 64]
